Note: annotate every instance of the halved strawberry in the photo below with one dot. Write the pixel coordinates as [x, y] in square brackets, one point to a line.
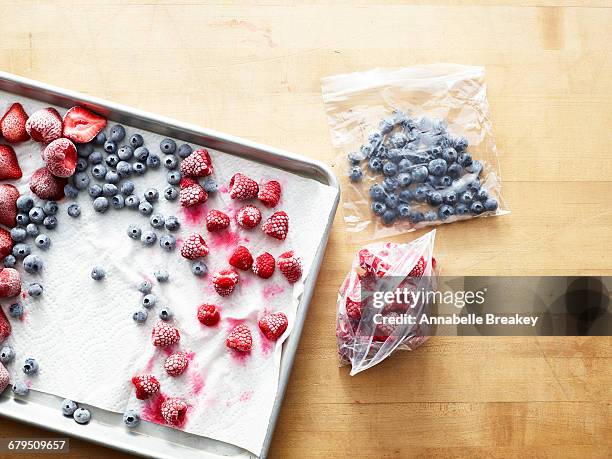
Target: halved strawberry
[13, 124]
[47, 186]
[82, 125]
[44, 125]
[8, 206]
[9, 165]
[241, 258]
[60, 157]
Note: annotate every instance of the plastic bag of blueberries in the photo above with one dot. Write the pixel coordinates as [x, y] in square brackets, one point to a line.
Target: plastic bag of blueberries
[416, 145]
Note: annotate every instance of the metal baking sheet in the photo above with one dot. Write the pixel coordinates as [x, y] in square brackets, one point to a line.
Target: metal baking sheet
[106, 427]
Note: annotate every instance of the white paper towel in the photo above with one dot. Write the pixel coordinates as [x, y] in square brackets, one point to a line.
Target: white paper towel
[82, 333]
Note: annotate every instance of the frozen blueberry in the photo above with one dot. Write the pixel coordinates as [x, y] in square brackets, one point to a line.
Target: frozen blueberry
[124, 169]
[476, 208]
[132, 201]
[161, 275]
[171, 162]
[198, 268]
[118, 201]
[184, 150]
[84, 150]
[461, 209]
[98, 273]
[374, 137]
[145, 208]
[434, 198]
[490, 205]
[404, 180]
[445, 181]
[148, 301]
[355, 158]
[394, 155]
[74, 210]
[125, 153]
[112, 177]
[173, 177]
[437, 152]
[22, 219]
[437, 167]
[377, 192]
[151, 195]
[110, 146]
[390, 169]
[96, 158]
[43, 241]
[134, 232]
[70, 191]
[145, 287]
[403, 211]
[50, 222]
[99, 171]
[16, 310]
[36, 214]
[112, 160]
[82, 415]
[481, 195]
[378, 207]
[95, 190]
[449, 155]
[117, 133]
[386, 126]
[210, 186]
[20, 251]
[9, 261]
[466, 197]
[20, 388]
[141, 153]
[392, 201]
[33, 264]
[82, 165]
[454, 171]
[140, 316]
[445, 211]
[167, 146]
[25, 203]
[390, 184]
[50, 208]
[171, 193]
[153, 161]
[475, 167]
[35, 290]
[131, 418]
[148, 237]
[18, 234]
[7, 354]
[100, 204]
[31, 230]
[139, 168]
[460, 143]
[109, 189]
[127, 188]
[30, 366]
[473, 185]
[167, 242]
[430, 216]
[355, 174]
[406, 196]
[157, 221]
[405, 165]
[165, 313]
[416, 217]
[450, 198]
[389, 216]
[68, 406]
[464, 159]
[419, 174]
[172, 223]
[136, 140]
[421, 192]
[375, 164]
[398, 140]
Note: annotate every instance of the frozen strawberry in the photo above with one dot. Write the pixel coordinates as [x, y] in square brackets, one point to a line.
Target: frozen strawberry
[165, 334]
[47, 186]
[173, 411]
[13, 124]
[10, 283]
[5, 327]
[146, 385]
[194, 247]
[353, 309]
[82, 125]
[176, 364]
[225, 281]
[243, 187]
[240, 339]
[9, 165]
[264, 265]
[216, 220]
[419, 269]
[191, 193]
[273, 325]
[60, 157]
[8, 206]
[5, 378]
[277, 225]
[241, 258]
[44, 125]
[208, 314]
[290, 266]
[270, 193]
[197, 164]
[6, 243]
[248, 217]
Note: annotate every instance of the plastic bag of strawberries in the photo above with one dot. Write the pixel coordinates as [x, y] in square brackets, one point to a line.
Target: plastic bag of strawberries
[372, 321]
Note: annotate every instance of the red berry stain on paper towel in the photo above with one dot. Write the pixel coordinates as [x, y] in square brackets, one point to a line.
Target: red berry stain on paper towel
[194, 215]
[197, 383]
[271, 291]
[152, 410]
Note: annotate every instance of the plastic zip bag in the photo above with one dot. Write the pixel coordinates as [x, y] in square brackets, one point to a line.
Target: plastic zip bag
[415, 145]
[363, 341]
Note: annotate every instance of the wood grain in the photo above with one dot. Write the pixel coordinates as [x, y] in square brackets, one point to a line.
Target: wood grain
[253, 69]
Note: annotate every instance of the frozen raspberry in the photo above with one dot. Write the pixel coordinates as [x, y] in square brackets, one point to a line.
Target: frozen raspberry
[5, 378]
[173, 411]
[208, 314]
[194, 247]
[264, 265]
[270, 193]
[216, 220]
[225, 281]
[44, 125]
[191, 193]
[273, 325]
[197, 164]
[60, 157]
[277, 225]
[165, 334]
[243, 187]
[385, 330]
[13, 124]
[146, 385]
[290, 266]
[8, 205]
[10, 283]
[9, 165]
[353, 309]
[241, 258]
[5, 327]
[176, 364]
[419, 269]
[248, 217]
[240, 339]
[47, 186]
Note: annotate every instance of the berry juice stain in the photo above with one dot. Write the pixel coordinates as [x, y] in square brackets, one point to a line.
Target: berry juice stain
[246, 396]
[266, 345]
[223, 189]
[197, 383]
[226, 239]
[194, 215]
[271, 291]
[151, 411]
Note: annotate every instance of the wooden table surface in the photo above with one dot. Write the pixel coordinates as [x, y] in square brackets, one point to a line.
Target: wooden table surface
[254, 71]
